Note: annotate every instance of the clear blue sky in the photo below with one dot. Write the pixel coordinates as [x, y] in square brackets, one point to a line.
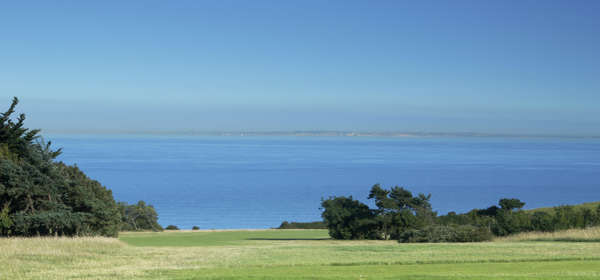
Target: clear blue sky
[451, 66]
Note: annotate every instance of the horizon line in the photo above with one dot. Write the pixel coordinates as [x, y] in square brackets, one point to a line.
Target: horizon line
[304, 133]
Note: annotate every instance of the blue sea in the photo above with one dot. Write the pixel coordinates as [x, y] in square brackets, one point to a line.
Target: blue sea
[231, 182]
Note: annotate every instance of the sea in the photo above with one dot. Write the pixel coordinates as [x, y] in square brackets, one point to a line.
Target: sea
[252, 182]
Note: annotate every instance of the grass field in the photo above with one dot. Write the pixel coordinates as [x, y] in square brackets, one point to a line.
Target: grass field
[289, 254]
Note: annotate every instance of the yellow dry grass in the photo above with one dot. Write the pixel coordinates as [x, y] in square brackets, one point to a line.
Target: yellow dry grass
[575, 235]
[99, 258]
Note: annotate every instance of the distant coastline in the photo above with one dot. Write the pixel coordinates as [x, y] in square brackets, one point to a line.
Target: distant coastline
[324, 133]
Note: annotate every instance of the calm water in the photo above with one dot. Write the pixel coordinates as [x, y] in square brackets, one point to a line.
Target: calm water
[257, 182]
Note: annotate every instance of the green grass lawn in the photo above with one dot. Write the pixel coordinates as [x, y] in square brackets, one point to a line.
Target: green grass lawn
[218, 238]
[510, 271]
[289, 254]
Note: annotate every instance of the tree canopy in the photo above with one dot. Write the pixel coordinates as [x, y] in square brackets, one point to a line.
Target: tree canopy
[398, 210]
[140, 216]
[406, 217]
[40, 196]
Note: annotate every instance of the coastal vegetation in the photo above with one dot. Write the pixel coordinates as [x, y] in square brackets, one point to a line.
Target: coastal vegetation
[42, 196]
[139, 216]
[405, 217]
[303, 225]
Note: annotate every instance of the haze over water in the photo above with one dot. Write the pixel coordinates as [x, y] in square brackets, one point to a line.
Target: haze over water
[258, 182]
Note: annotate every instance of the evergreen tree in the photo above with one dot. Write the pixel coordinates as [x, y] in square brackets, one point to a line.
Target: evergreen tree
[398, 210]
[40, 196]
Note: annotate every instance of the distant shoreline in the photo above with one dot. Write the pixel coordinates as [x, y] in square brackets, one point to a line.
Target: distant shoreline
[321, 134]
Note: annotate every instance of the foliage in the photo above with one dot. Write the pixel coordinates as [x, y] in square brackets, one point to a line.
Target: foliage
[195, 228]
[398, 210]
[508, 222]
[40, 196]
[303, 225]
[442, 233]
[510, 204]
[172, 227]
[400, 215]
[347, 218]
[542, 221]
[5, 221]
[509, 219]
[136, 217]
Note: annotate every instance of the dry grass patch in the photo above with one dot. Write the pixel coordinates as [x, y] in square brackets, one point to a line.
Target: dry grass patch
[573, 235]
[99, 258]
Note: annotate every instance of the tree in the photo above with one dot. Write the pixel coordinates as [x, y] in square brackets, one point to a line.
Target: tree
[542, 221]
[347, 218]
[510, 204]
[384, 210]
[398, 210]
[138, 216]
[40, 196]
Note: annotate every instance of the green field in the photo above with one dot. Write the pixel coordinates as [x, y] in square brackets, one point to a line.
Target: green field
[289, 254]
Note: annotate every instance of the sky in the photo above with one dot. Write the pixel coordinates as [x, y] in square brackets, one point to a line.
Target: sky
[530, 67]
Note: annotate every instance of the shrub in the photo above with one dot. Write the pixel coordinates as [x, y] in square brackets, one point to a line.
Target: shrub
[564, 217]
[299, 225]
[441, 233]
[172, 227]
[5, 221]
[508, 222]
[542, 221]
[195, 228]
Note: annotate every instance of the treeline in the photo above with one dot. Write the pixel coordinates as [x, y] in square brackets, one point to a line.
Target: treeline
[508, 218]
[405, 217]
[40, 196]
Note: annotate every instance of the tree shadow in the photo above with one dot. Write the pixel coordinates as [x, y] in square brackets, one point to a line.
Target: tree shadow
[289, 239]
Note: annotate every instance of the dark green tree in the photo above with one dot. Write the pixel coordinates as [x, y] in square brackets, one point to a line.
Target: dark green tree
[510, 204]
[542, 221]
[40, 196]
[347, 218]
[138, 216]
[398, 210]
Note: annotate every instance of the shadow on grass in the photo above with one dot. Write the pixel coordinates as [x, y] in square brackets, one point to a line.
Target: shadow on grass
[563, 240]
[289, 239]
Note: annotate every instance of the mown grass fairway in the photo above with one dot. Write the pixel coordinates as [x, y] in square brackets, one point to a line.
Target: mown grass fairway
[289, 254]
[218, 238]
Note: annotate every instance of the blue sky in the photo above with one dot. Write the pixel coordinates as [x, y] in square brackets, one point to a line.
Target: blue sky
[432, 66]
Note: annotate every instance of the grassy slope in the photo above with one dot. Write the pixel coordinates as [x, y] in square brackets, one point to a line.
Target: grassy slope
[589, 205]
[591, 234]
[291, 254]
